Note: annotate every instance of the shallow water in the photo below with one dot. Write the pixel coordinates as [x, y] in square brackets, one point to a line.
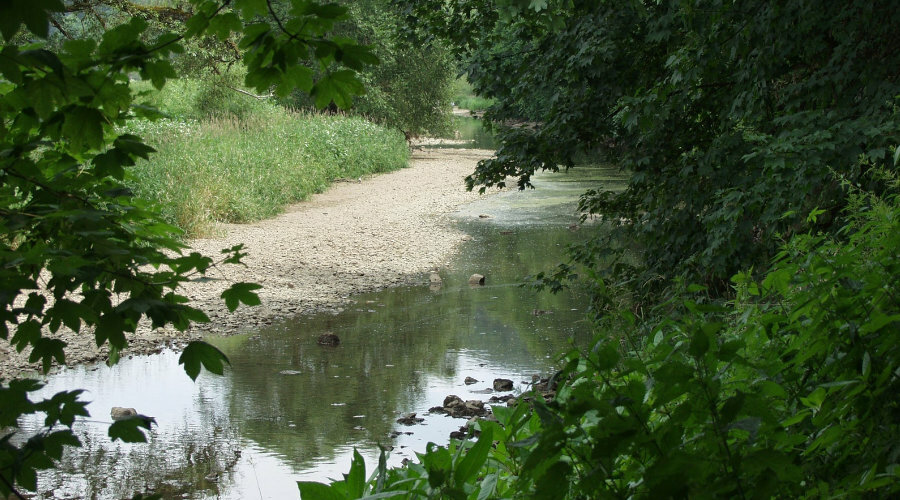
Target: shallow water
[289, 409]
[468, 134]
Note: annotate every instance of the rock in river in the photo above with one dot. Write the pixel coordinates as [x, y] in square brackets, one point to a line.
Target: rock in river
[409, 419]
[503, 384]
[119, 413]
[328, 339]
[476, 279]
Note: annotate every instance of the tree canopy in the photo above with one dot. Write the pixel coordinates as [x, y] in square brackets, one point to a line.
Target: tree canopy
[78, 250]
[735, 119]
[750, 349]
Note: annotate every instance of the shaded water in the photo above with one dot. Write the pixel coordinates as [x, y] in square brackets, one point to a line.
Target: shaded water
[289, 409]
[468, 134]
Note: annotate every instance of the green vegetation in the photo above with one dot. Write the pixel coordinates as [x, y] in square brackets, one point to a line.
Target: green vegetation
[464, 97]
[751, 350]
[229, 157]
[240, 170]
[409, 89]
[78, 249]
[787, 389]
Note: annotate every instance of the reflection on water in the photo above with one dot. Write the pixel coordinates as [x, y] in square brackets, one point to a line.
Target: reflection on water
[290, 409]
[467, 134]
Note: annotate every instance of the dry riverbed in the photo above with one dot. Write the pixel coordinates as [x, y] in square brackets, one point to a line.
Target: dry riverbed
[359, 236]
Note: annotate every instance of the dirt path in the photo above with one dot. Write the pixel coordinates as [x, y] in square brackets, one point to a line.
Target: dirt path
[357, 237]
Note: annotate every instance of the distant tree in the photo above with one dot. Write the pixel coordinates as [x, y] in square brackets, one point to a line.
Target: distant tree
[410, 88]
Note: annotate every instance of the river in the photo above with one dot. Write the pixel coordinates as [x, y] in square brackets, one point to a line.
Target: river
[289, 409]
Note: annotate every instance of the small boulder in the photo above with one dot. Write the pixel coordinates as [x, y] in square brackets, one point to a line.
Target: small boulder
[475, 406]
[329, 339]
[452, 400]
[476, 279]
[119, 413]
[410, 419]
[503, 384]
[461, 434]
[470, 381]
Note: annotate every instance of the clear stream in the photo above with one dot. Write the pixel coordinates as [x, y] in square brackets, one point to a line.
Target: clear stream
[289, 409]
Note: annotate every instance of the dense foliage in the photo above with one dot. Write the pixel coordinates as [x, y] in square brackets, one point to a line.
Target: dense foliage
[761, 142]
[789, 389]
[78, 250]
[728, 115]
[410, 87]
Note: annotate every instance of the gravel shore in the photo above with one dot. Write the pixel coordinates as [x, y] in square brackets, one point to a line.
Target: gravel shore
[359, 236]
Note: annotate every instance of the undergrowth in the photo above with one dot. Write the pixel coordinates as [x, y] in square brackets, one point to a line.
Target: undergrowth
[243, 167]
[787, 390]
[464, 97]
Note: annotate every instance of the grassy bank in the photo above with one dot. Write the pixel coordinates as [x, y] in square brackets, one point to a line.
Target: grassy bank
[464, 96]
[239, 169]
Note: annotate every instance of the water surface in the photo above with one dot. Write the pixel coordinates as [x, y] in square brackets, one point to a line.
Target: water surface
[289, 409]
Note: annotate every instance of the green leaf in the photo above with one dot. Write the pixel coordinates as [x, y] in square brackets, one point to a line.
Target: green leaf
[224, 24]
[356, 56]
[111, 327]
[356, 478]
[83, 127]
[310, 490]
[699, 344]
[35, 14]
[339, 87]
[46, 350]
[488, 487]
[475, 457]
[241, 292]
[251, 8]
[129, 430]
[199, 353]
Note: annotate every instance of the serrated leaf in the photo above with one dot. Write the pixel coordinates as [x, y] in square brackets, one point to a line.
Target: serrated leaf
[224, 24]
[129, 430]
[198, 354]
[83, 127]
[241, 293]
[46, 350]
[338, 87]
[356, 56]
[250, 8]
[699, 344]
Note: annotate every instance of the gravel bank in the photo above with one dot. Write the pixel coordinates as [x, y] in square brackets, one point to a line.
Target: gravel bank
[382, 231]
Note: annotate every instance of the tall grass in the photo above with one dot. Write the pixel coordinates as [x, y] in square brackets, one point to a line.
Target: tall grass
[464, 96]
[232, 169]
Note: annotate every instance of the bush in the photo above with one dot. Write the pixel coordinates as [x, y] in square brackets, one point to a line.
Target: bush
[788, 390]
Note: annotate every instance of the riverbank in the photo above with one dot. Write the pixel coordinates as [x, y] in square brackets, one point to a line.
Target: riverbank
[358, 236]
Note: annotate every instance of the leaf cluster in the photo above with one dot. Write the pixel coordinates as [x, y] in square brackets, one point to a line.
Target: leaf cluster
[78, 250]
[727, 115]
[787, 390]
